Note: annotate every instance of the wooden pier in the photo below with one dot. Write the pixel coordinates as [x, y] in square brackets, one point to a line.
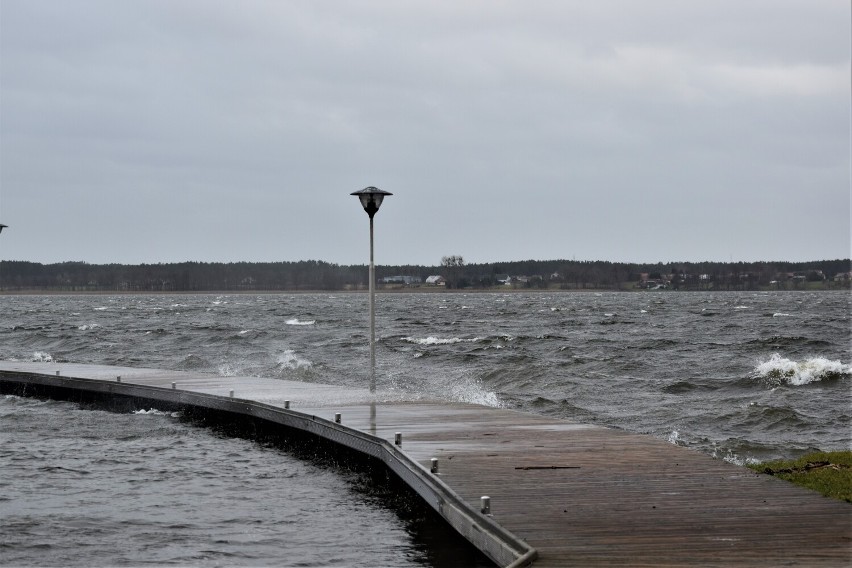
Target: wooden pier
[561, 493]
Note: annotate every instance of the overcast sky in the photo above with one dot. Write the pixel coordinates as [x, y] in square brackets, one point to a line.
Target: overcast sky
[163, 131]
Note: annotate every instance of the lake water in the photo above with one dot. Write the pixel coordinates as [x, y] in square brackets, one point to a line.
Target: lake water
[740, 376]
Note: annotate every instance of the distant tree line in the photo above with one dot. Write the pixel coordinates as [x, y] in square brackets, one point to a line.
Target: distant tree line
[319, 275]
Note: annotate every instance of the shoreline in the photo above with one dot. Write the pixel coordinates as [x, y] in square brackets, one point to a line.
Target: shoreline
[419, 290]
[282, 292]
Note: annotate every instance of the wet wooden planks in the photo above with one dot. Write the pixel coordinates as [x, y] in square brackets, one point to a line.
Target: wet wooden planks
[585, 495]
[581, 495]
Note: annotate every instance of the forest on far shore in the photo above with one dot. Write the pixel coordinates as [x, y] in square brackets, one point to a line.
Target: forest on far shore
[452, 273]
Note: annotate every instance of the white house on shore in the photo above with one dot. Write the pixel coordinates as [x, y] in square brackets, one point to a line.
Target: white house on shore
[436, 280]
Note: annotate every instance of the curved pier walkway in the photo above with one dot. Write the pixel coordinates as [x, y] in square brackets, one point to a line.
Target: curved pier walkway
[561, 493]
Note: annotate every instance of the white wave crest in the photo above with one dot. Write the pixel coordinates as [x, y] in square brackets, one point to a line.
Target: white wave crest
[155, 412]
[226, 370]
[42, 357]
[472, 392]
[439, 341]
[297, 321]
[87, 326]
[289, 360]
[779, 370]
[731, 457]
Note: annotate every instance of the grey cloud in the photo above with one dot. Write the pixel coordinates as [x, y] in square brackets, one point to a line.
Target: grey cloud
[606, 130]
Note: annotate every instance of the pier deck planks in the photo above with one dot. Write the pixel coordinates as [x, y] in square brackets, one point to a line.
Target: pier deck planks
[611, 497]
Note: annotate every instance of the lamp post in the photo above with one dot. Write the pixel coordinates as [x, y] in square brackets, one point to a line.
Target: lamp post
[2, 226]
[371, 199]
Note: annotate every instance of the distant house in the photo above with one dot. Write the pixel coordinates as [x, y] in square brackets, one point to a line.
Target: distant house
[659, 282]
[843, 277]
[436, 280]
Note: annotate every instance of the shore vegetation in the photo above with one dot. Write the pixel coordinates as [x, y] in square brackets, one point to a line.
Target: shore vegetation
[453, 273]
[829, 473]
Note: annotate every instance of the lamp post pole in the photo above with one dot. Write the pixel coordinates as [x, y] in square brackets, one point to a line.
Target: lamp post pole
[372, 314]
[2, 226]
[371, 199]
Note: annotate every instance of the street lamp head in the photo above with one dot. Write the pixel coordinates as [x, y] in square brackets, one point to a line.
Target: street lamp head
[371, 199]
[2, 226]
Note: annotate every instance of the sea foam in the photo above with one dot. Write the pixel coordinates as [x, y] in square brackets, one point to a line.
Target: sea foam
[439, 341]
[297, 321]
[472, 392]
[289, 360]
[155, 412]
[779, 370]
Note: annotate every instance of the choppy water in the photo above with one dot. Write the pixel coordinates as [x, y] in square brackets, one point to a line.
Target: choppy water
[83, 487]
[740, 376]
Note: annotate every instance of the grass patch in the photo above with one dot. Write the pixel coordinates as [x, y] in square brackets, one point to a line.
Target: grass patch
[829, 473]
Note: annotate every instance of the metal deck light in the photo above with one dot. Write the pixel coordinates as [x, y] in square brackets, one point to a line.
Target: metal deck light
[371, 199]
